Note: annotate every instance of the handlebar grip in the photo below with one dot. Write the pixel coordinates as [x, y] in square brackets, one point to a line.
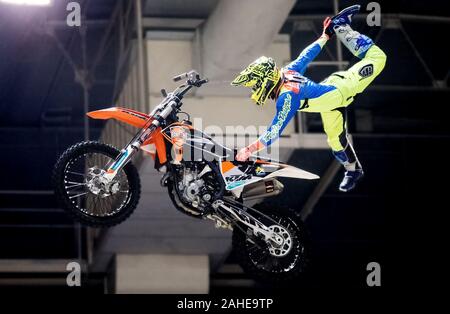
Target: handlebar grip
[180, 77]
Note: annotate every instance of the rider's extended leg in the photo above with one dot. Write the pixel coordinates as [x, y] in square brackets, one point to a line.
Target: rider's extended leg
[354, 80]
[350, 83]
[334, 124]
[362, 73]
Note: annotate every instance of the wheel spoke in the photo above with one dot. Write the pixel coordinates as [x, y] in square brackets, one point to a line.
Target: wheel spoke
[262, 256]
[253, 248]
[76, 173]
[78, 195]
[268, 264]
[278, 259]
[74, 182]
[75, 185]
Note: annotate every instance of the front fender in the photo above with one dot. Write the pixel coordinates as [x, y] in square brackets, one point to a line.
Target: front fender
[138, 120]
[128, 116]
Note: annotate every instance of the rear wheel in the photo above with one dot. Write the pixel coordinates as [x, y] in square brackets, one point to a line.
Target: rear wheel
[270, 262]
[85, 194]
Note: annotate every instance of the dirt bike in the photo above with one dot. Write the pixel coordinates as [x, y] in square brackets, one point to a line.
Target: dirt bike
[99, 186]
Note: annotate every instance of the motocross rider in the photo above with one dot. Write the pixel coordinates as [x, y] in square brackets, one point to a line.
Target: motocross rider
[292, 91]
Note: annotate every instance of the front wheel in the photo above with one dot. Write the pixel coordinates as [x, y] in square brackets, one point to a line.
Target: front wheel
[270, 263]
[84, 193]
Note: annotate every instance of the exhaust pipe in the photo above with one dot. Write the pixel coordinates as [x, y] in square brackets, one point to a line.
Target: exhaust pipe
[262, 189]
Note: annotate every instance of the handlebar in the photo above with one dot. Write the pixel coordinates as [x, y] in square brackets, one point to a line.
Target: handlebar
[200, 82]
[173, 100]
[193, 78]
[179, 77]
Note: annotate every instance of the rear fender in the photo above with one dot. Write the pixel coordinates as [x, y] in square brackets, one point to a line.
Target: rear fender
[284, 170]
[236, 175]
[287, 171]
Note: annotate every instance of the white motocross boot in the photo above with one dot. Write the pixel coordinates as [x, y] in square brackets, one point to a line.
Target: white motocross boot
[357, 43]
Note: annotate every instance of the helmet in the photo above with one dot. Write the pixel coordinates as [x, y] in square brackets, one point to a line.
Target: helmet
[262, 75]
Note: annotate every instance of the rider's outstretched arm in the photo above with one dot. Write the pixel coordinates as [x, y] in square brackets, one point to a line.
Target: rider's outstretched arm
[307, 55]
[286, 109]
[310, 53]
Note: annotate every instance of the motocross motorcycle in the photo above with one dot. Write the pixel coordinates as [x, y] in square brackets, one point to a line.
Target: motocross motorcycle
[99, 186]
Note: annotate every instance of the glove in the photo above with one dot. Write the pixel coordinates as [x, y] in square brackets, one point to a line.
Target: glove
[246, 152]
[327, 32]
[243, 154]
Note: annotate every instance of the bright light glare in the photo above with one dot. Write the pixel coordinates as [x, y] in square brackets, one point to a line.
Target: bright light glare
[28, 2]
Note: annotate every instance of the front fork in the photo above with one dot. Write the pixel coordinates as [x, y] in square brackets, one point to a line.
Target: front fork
[127, 153]
[114, 167]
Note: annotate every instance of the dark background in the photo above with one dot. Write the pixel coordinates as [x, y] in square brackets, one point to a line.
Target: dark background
[395, 217]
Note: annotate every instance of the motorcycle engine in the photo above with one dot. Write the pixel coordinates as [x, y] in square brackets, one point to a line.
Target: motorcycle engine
[197, 188]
